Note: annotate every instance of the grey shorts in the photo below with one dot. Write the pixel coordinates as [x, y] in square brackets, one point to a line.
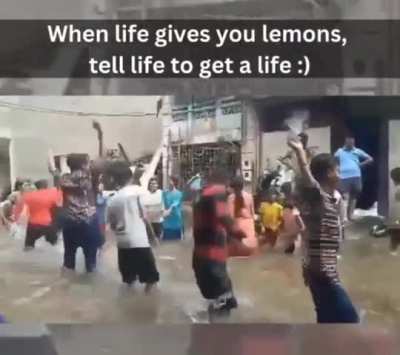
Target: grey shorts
[351, 186]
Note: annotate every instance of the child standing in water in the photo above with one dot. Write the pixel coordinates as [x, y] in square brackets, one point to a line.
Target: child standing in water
[292, 227]
[321, 214]
[271, 217]
[126, 218]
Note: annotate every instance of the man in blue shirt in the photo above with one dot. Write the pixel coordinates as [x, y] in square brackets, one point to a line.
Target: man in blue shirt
[351, 160]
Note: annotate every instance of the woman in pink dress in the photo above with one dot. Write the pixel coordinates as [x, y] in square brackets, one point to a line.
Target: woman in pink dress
[241, 208]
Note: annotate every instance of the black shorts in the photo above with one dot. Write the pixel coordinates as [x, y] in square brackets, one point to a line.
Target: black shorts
[351, 186]
[34, 232]
[137, 263]
[212, 278]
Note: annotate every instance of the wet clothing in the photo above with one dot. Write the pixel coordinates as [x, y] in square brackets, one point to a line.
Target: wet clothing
[321, 215]
[85, 235]
[101, 206]
[321, 212]
[211, 225]
[244, 219]
[212, 278]
[349, 160]
[153, 206]
[271, 215]
[352, 186]
[40, 205]
[210, 216]
[154, 230]
[291, 229]
[332, 304]
[77, 195]
[125, 216]
[137, 263]
[35, 232]
[173, 223]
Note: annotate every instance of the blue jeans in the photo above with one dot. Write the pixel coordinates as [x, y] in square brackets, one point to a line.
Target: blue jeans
[332, 304]
[81, 235]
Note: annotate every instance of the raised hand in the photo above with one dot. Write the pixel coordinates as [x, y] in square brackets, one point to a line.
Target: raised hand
[295, 143]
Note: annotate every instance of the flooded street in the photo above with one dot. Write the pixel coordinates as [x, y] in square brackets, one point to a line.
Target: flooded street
[269, 287]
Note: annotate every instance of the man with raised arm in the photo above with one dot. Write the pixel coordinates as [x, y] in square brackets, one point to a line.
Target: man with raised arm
[320, 208]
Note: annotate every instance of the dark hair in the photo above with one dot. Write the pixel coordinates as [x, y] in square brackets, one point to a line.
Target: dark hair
[395, 175]
[76, 161]
[237, 184]
[289, 204]
[175, 180]
[154, 178]
[321, 164]
[303, 139]
[137, 175]
[120, 172]
[18, 184]
[42, 184]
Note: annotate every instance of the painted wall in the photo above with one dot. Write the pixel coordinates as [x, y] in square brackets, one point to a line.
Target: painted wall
[250, 146]
[273, 144]
[34, 133]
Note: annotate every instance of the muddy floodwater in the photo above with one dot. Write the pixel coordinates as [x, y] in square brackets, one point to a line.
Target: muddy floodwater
[269, 287]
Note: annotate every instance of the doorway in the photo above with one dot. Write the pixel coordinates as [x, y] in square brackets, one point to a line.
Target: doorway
[366, 131]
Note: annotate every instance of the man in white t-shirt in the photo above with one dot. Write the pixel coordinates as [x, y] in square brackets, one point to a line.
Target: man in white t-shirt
[126, 219]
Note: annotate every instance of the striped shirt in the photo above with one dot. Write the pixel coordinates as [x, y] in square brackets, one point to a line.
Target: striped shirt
[210, 221]
[321, 214]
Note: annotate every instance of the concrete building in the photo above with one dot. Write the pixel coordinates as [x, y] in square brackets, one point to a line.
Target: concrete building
[211, 133]
[247, 128]
[30, 126]
[258, 133]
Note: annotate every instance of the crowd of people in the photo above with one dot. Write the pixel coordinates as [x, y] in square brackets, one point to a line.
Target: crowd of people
[312, 209]
[227, 222]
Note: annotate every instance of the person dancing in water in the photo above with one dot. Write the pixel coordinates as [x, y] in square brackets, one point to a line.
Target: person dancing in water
[241, 209]
[321, 215]
[213, 227]
[80, 225]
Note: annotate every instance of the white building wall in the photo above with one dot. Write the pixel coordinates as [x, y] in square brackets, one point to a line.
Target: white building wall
[250, 145]
[274, 144]
[34, 133]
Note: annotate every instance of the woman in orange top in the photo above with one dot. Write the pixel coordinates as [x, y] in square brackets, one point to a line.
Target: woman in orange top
[241, 208]
[40, 205]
